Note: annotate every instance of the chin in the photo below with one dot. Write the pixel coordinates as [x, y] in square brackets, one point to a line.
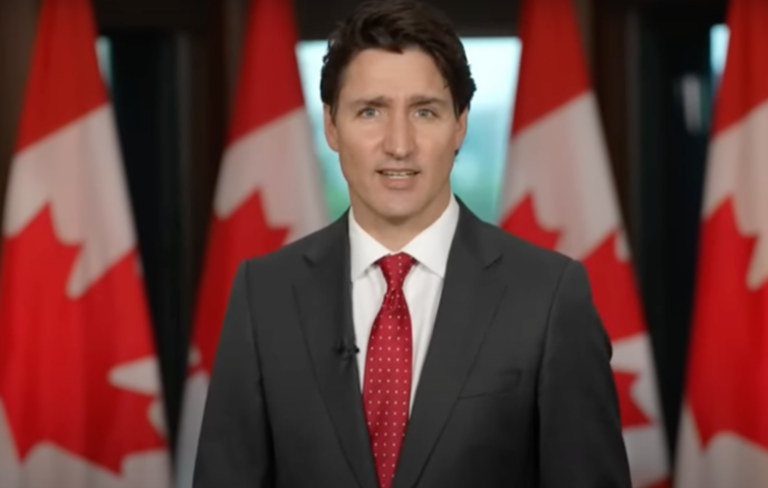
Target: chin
[395, 210]
[400, 213]
[389, 210]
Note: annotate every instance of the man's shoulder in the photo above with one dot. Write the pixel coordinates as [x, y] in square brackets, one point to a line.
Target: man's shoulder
[518, 248]
[295, 252]
[543, 275]
[522, 258]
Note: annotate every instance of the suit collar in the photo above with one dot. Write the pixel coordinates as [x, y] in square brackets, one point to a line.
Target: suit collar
[324, 303]
[329, 241]
[472, 239]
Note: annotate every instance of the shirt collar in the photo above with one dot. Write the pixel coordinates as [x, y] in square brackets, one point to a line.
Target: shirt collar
[430, 247]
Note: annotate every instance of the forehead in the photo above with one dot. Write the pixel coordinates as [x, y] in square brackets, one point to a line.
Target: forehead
[376, 72]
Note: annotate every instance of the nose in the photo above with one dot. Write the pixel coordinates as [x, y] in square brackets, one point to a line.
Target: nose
[399, 140]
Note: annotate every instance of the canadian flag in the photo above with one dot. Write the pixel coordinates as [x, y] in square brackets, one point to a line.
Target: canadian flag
[723, 437]
[558, 193]
[269, 192]
[80, 393]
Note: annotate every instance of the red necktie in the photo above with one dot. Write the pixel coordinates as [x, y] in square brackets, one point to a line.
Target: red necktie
[387, 387]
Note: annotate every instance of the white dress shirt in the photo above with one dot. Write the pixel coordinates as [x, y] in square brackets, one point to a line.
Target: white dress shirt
[422, 287]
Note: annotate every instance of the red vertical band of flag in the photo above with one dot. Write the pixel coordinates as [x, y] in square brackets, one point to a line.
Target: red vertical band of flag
[269, 192]
[80, 395]
[723, 438]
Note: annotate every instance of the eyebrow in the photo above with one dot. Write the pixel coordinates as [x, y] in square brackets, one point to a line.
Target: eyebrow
[416, 100]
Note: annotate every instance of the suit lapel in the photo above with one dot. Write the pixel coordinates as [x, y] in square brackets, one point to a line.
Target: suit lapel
[324, 300]
[471, 293]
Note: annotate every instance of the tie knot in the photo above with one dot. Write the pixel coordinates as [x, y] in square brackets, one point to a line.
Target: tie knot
[395, 268]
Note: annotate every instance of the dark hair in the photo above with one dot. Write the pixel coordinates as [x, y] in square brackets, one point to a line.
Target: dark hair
[396, 25]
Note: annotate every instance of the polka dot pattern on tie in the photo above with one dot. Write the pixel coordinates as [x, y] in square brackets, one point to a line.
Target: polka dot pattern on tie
[387, 384]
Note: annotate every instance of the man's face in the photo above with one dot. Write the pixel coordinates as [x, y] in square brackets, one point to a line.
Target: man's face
[396, 133]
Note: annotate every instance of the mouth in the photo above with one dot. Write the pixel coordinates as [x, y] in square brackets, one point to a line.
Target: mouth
[398, 174]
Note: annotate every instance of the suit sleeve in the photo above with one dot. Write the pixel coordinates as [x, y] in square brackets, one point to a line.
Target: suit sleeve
[234, 447]
[581, 443]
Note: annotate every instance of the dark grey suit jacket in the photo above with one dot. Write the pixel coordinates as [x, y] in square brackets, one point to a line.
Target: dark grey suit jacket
[516, 391]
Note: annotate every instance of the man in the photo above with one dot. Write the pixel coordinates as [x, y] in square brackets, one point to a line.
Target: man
[409, 344]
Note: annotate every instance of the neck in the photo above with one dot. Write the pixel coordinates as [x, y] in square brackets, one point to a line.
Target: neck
[395, 233]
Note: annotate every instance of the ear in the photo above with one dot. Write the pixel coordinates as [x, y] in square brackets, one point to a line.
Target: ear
[461, 129]
[329, 127]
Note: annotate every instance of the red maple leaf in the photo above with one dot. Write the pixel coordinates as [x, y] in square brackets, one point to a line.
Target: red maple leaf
[523, 223]
[728, 373]
[614, 294]
[56, 353]
[614, 291]
[631, 415]
[244, 234]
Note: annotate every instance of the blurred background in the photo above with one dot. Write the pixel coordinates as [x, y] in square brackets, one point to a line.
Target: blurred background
[172, 66]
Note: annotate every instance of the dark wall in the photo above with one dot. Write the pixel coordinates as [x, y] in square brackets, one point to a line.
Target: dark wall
[168, 66]
[672, 153]
[645, 51]
[478, 18]
[17, 24]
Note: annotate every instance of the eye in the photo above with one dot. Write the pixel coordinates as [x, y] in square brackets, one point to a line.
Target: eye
[425, 113]
[367, 112]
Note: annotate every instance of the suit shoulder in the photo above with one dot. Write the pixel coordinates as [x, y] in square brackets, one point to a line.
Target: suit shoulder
[543, 275]
[524, 258]
[292, 253]
[514, 245]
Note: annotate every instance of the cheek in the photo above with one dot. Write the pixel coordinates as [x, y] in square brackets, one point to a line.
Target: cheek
[438, 151]
[356, 154]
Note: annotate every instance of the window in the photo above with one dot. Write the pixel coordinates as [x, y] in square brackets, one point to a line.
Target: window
[719, 48]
